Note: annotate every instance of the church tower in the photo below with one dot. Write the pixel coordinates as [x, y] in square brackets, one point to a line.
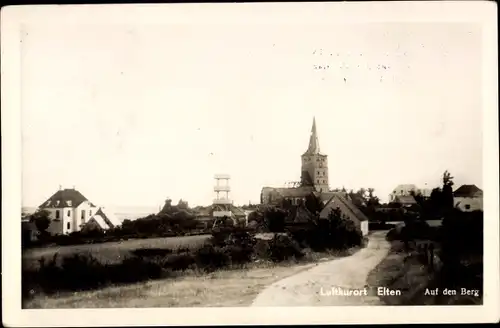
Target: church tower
[315, 164]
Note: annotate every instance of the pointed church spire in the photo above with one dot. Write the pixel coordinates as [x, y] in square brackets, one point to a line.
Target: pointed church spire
[313, 141]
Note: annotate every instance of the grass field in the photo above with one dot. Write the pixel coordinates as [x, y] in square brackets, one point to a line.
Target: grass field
[112, 252]
[222, 288]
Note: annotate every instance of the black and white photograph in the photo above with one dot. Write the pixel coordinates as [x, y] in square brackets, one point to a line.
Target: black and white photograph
[252, 156]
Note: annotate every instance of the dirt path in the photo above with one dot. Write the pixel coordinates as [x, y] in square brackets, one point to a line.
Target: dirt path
[314, 287]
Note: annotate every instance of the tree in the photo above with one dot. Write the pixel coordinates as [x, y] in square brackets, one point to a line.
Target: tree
[370, 192]
[274, 220]
[447, 193]
[182, 204]
[313, 203]
[342, 232]
[372, 199]
[41, 218]
[286, 203]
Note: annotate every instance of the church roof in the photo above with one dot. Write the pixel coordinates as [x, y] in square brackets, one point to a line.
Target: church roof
[313, 140]
[291, 192]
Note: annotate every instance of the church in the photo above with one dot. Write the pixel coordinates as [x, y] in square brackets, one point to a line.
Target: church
[314, 179]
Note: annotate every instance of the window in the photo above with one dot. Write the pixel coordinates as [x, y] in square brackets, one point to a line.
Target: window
[90, 212]
[57, 214]
[317, 181]
[69, 213]
[467, 207]
[68, 225]
[68, 202]
[57, 203]
[83, 214]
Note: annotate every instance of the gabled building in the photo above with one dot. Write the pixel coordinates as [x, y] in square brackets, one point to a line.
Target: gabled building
[402, 190]
[69, 210]
[315, 181]
[468, 198]
[101, 220]
[348, 209]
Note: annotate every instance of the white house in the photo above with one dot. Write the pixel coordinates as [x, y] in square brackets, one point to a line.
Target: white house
[69, 211]
[468, 198]
[406, 190]
[402, 190]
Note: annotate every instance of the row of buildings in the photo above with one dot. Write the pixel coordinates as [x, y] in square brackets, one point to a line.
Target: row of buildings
[314, 179]
[466, 198]
[70, 211]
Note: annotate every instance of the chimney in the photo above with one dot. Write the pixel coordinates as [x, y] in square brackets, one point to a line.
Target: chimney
[73, 187]
[60, 187]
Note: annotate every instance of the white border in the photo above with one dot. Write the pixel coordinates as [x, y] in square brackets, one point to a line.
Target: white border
[12, 19]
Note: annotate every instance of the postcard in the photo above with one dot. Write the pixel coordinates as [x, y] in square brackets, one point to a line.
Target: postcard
[244, 163]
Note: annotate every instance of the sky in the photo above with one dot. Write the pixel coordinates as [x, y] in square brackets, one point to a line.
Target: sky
[132, 114]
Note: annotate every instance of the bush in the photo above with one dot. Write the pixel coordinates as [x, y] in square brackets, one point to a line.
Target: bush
[262, 249]
[335, 233]
[84, 272]
[145, 252]
[179, 262]
[238, 255]
[280, 248]
[210, 258]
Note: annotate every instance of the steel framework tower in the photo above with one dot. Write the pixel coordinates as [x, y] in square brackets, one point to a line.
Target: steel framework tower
[222, 203]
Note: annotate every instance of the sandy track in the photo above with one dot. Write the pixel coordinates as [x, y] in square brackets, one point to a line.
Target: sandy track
[309, 288]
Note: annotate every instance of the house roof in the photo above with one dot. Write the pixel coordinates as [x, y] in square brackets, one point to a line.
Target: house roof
[65, 198]
[405, 200]
[109, 217]
[237, 211]
[299, 214]
[207, 211]
[346, 206]
[100, 221]
[466, 191]
[356, 199]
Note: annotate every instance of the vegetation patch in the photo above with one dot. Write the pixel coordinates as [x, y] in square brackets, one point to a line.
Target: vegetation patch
[442, 266]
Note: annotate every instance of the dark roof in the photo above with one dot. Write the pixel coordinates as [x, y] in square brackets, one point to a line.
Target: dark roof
[65, 198]
[299, 214]
[356, 199]
[207, 211]
[238, 212]
[290, 192]
[346, 206]
[466, 191]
